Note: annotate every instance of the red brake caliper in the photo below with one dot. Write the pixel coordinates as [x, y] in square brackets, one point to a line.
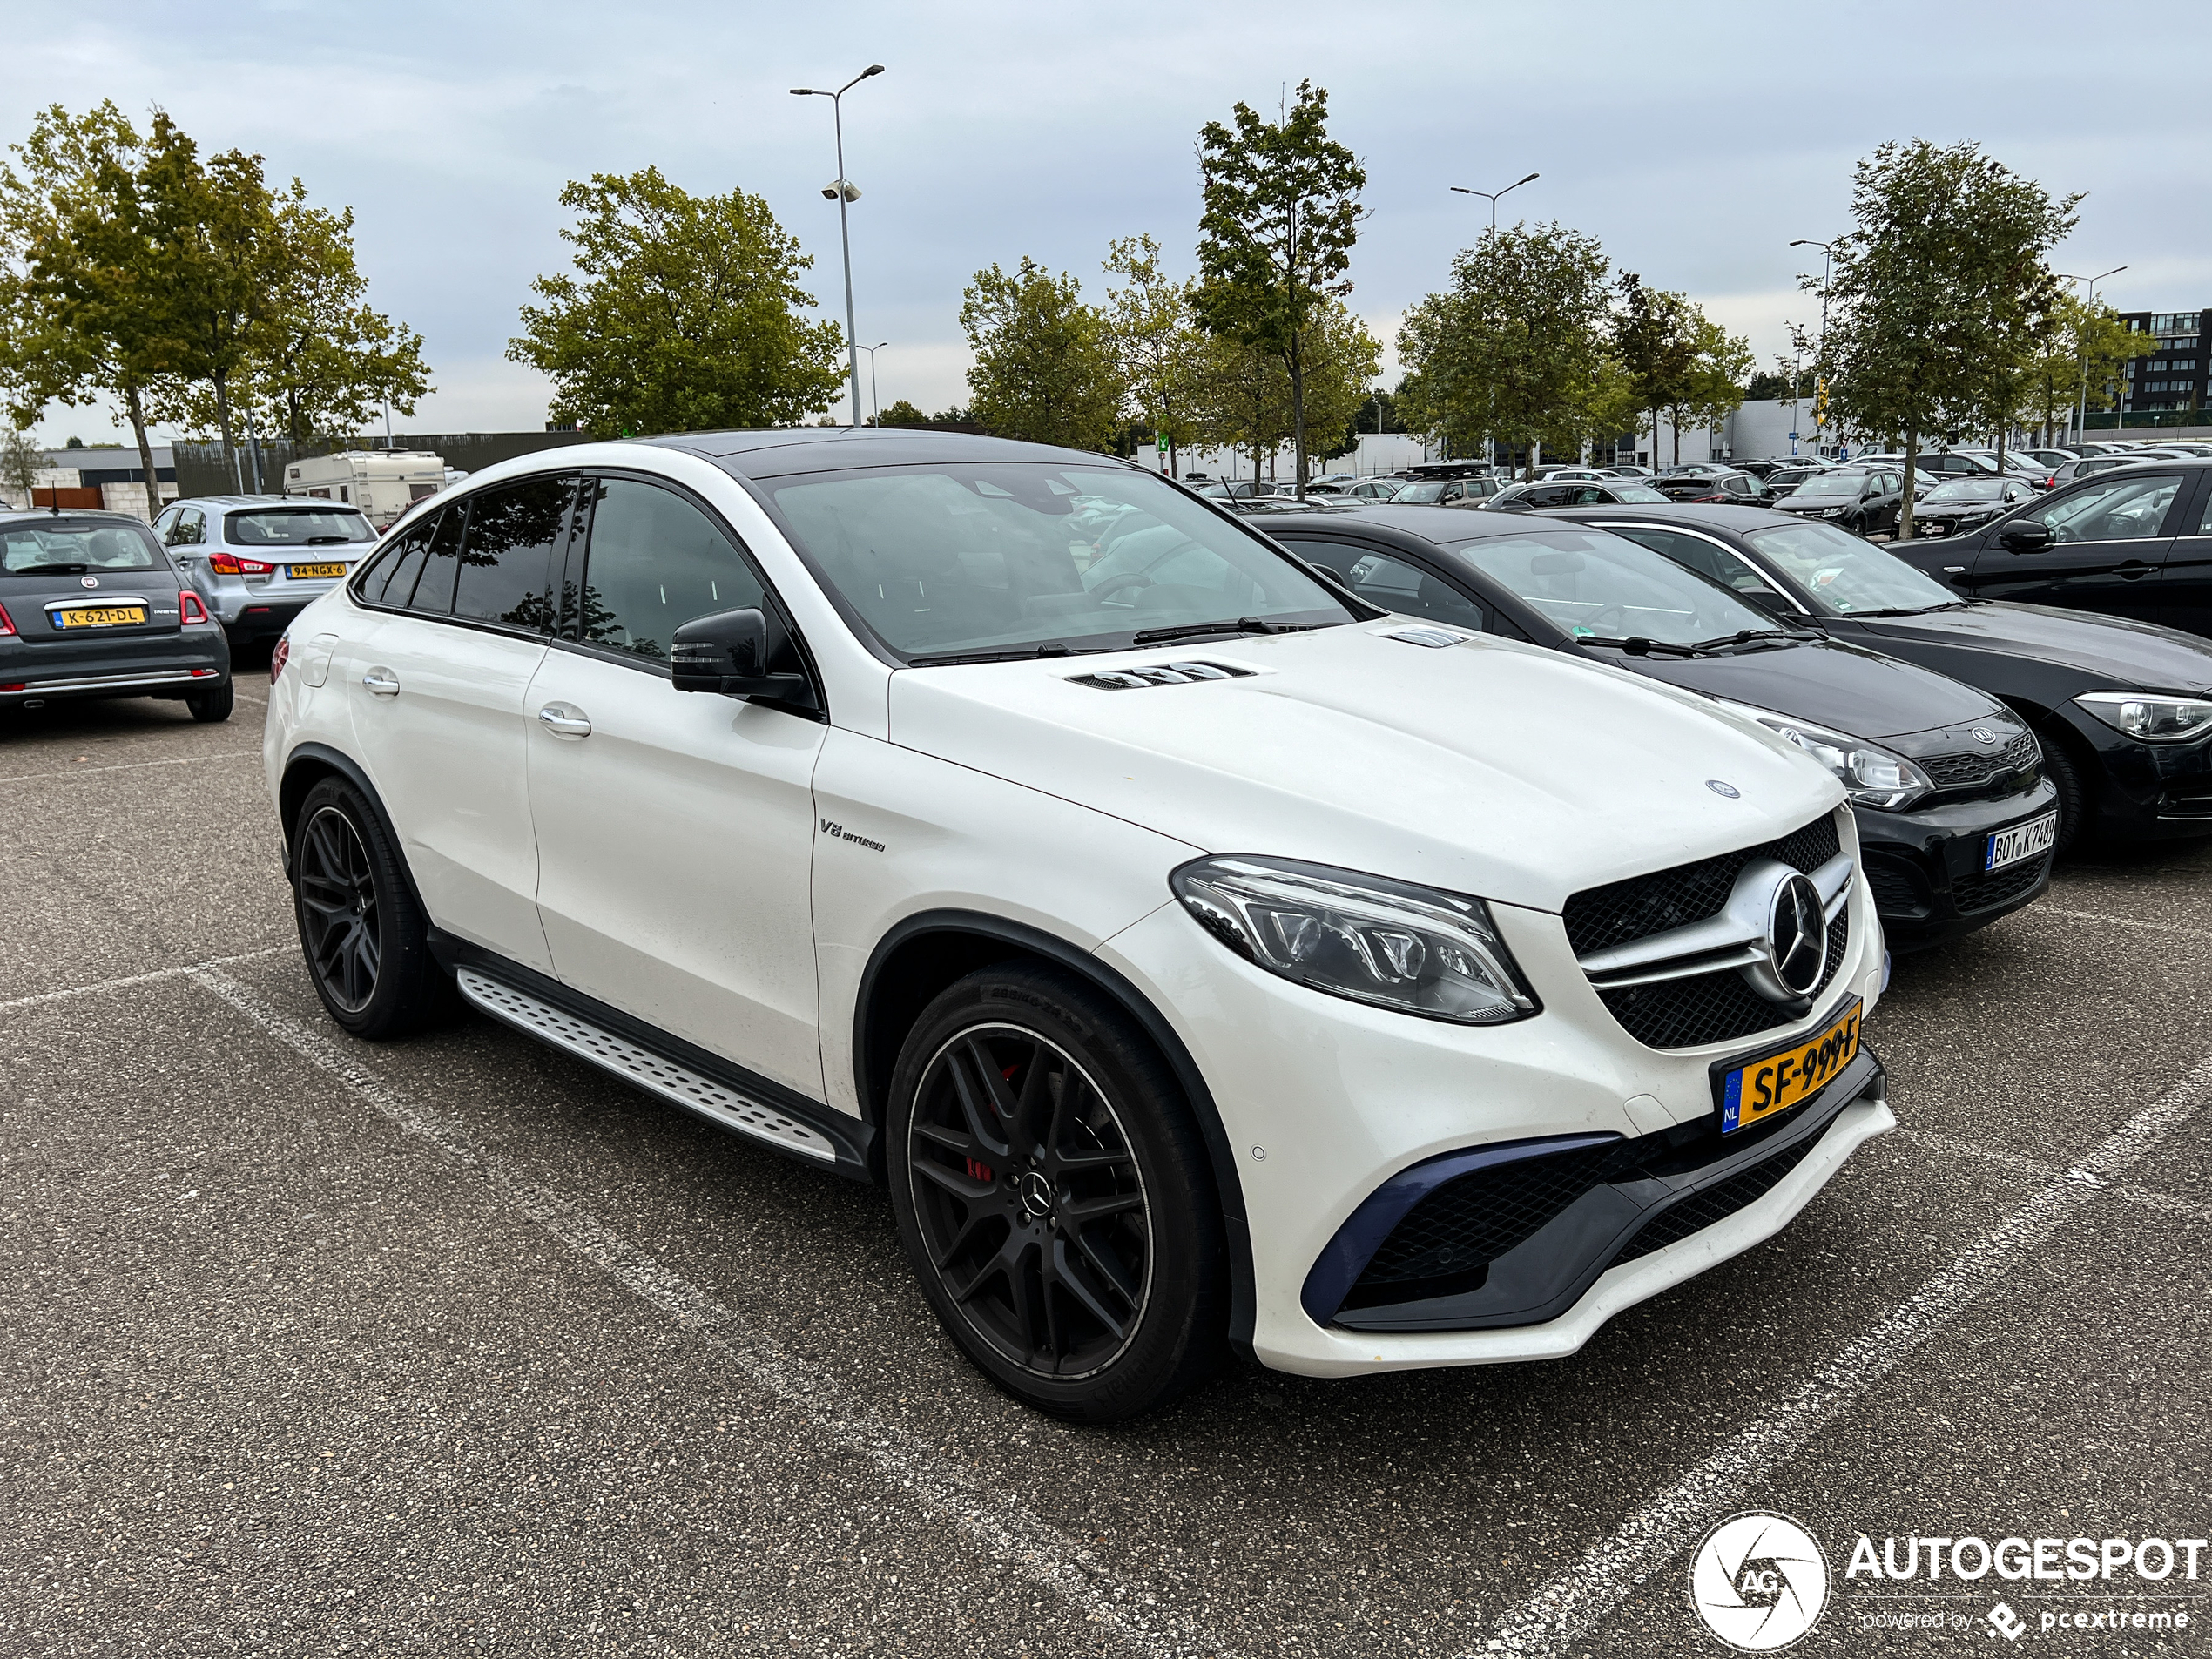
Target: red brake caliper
[977, 1170]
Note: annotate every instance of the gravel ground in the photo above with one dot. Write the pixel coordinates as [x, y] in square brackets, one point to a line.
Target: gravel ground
[458, 1346]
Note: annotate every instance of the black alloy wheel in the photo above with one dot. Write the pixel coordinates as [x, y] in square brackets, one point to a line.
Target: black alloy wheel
[364, 935]
[338, 917]
[1054, 1197]
[213, 704]
[2068, 778]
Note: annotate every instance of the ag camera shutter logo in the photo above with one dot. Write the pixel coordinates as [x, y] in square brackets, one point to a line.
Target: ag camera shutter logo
[1758, 1582]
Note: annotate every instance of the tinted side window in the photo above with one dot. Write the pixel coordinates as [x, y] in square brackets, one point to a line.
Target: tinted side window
[392, 582]
[189, 530]
[2124, 509]
[434, 593]
[1394, 585]
[655, 563]
[506, 560]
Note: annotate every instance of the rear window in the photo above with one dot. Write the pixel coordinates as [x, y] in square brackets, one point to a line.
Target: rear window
[76, 550]
[295, 527]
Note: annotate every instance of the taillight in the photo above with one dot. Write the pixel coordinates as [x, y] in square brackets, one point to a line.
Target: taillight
[190, 609]
[7, 624]
[231, 564]
[277, 658]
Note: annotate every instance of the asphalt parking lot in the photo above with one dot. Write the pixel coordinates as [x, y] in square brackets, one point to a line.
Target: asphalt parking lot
[458, 1346]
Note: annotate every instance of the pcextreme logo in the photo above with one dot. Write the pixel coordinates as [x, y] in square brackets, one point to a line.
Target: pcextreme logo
[1758, 1582]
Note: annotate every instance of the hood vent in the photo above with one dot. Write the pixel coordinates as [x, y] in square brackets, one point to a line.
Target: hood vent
[1138, 679]
[1434, 638]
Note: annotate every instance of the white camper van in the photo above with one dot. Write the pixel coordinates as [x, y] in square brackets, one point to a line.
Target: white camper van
[383, 483]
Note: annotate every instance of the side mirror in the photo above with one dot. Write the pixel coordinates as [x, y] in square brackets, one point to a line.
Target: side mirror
[727, 653]
[2027, 536]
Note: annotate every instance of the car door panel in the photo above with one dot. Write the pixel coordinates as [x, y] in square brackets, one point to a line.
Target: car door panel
[2114, 537]
[2185, 591]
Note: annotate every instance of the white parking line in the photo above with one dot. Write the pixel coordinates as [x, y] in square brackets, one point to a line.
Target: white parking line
[1670, 1522]
[128, 766]
[144, 979]
[1001, 1528]
[2146, 1197]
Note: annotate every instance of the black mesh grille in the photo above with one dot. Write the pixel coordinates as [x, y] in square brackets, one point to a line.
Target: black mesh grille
[1894, 887]
[1643, 905]
[1977, 893]
[1972, 771]
[1700, 1211]
[1447, 1240]
[1713, 1007]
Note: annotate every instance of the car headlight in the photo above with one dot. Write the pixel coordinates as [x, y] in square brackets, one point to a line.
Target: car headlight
[1365, 937]
[2148, 716]
[1871, 775]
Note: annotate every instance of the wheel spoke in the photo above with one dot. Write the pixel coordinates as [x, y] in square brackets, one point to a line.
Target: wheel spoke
[1072, 1279]
[975, 1218]
[1003, 1105]
[1108, 1267]
[959, 1184]
[972, 1106]
[1078, 1213]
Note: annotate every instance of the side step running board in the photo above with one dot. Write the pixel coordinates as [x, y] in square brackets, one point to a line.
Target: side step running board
[641, 1066]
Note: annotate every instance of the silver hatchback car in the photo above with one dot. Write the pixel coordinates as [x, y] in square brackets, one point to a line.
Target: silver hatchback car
[258, 560]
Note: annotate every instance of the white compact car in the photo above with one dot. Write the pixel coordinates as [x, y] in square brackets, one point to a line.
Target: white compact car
[1197, 955]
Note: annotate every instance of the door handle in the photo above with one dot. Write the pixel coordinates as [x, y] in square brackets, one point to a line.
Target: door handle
[382, 682]
[2134, 568]
[564, 721]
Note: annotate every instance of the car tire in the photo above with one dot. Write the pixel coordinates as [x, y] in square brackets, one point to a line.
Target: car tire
[1055, 1196]
[2064, 769]
[365, 937]
[213, 704]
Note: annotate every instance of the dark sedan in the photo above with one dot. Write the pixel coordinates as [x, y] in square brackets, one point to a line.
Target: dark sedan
[1524, 498]
[2124, 709]
[1965, 504]
[1710, 486]
[1947, 782]
[92, 607]
[1864, 500]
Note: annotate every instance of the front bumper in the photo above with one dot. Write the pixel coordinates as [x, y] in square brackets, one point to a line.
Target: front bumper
[1926, 866]
[2147, 792]
[1322, 1100]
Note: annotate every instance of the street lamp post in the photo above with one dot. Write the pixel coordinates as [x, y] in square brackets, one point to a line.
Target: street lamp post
[1492, 195]
[845, 194]
[1827, 266]
[2082, 422]
[875, 399]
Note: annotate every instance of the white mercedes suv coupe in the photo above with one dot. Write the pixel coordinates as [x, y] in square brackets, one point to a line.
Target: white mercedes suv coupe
[1199, 957]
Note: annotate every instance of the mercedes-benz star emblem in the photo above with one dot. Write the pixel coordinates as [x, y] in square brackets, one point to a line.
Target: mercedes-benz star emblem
[1796, 936]
[1719, 788]
[1036, 1191]
[88, 581]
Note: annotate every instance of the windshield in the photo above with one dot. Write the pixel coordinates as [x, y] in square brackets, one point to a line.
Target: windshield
[1968, 489]
[1832, 483]
[1595, 585]
[73, 549]
[986, 560]
[1637, 492]
[295, 527]
[1420, 492]
[1846, 576]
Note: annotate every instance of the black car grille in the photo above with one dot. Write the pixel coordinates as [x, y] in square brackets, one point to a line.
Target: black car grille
[1447, 1241]
[1623, 911]
[1986, 892]
[1962, 771]
[1896, 888]
[1712, 1007]
[1702, 1210]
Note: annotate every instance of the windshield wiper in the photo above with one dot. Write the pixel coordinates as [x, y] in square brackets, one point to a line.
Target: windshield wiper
[1194, 629]
[1637, 645]
[325, 540]
[50, 570]
[1747, 636]
[1027, 653]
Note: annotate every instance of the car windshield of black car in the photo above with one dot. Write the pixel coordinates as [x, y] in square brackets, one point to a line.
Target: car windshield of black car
[1843, 484]
[1846, 576]
[1966, 489]
[1593, 585]
[72, 548]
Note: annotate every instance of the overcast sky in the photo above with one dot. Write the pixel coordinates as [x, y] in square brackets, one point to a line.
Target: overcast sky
[1695, 141]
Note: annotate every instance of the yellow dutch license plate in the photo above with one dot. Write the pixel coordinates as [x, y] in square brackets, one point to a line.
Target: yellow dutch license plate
[312, 572]
[1753, 1093]
[100, 616]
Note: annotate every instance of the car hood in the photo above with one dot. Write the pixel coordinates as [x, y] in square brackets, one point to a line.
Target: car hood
[1503, 770]
[2112, 650]
[1860, 693]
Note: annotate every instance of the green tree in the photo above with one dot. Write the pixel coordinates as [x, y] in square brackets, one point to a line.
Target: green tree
[1281, 214]
[1342, 360]
[1149, 326]
[1934, 294]
[683, 315]
[84, 292]
[1655, 344]
[901, 413]
[1713, 389]
[21, 461]
[1516, 347]
[2079, 355]
[1044, 366]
